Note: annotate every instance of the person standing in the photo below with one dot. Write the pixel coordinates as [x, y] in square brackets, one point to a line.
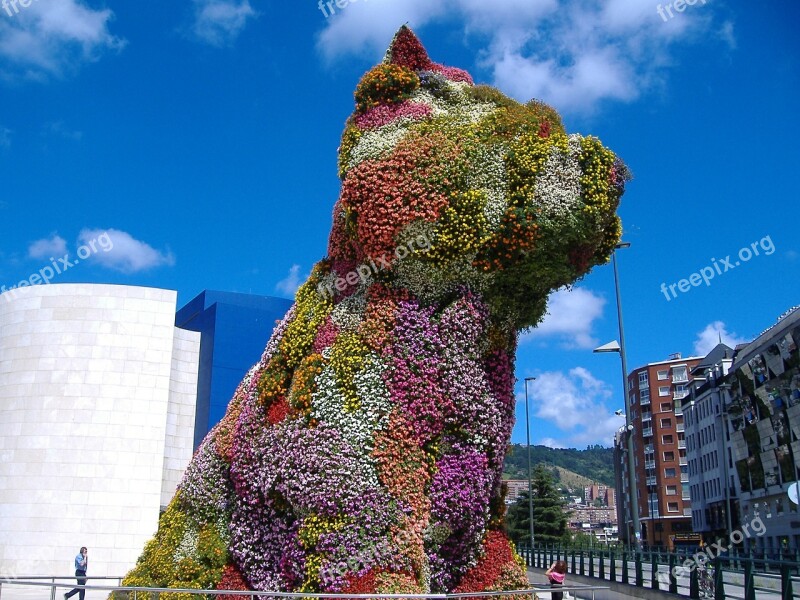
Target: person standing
[556, 574]
[81, 564]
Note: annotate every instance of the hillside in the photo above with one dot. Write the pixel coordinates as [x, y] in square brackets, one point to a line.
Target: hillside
[575, 468]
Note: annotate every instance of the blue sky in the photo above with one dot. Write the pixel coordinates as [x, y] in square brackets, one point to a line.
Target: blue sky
[202, 136]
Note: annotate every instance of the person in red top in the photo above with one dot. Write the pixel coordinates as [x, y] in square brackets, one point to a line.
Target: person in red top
[556, 574]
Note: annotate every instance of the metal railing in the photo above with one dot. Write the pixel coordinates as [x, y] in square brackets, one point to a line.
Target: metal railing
[119, 592]
[735, 575]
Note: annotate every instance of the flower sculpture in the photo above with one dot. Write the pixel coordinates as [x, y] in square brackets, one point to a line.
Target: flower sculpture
[364, 451]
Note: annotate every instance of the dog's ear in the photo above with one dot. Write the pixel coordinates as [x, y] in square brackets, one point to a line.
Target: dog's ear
[407, 51]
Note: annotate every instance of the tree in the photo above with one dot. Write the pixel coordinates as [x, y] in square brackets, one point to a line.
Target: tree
[517, 521]
[549, 517]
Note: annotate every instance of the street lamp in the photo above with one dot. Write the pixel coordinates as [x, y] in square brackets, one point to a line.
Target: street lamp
[620, 349]
[530, 472]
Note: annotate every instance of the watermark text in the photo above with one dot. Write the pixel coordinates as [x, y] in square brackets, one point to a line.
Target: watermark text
[718, 267]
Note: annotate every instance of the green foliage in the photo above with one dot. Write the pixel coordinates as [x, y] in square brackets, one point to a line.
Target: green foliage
[549, 514]
[517, 521]
[595, 462]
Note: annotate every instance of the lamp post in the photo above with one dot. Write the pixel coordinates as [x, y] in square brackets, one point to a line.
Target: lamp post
[620, 348]
[530, 472]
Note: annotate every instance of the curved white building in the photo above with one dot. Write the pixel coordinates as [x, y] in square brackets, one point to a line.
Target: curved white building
[97, 407]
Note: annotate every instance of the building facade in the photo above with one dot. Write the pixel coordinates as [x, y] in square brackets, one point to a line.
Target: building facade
[713, 482]
[97, 396]
[763, 415]
[234, 329]
[656, 393]
[599, 492]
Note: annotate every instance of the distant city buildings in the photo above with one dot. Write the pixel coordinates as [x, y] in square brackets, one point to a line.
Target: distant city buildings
[595, 514]
[515, 489]
[597, 492]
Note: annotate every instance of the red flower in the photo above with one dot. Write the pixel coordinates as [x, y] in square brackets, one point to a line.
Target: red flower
[408, 51]
[231, 580]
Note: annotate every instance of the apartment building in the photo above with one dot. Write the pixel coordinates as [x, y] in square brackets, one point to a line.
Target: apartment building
[713, 482]
[656, 395]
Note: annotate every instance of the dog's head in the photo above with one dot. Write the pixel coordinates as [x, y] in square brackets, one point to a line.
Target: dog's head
[448, 185]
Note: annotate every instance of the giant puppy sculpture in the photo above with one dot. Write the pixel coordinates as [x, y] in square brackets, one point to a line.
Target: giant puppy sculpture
[364, 452]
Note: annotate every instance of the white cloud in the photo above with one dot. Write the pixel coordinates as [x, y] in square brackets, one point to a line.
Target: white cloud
[52, 36]
[574, 403]
[570, 317]
[124, 253]
[291, 282]
[219, 22]
[727, 35]
[572, 54]
[710, 336]
[550, 443]
[55, 246]
[59, 129]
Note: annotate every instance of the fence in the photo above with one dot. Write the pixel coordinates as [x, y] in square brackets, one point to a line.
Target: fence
[661, 570]
[119, 592]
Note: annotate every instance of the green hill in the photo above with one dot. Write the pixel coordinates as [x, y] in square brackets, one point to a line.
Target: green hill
[596, 463]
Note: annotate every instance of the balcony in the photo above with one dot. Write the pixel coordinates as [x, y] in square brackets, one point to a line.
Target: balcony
[682, 444]
[646, 417]
[680, 427]
[650, 464]
[685, 495]
[680, 394]
[684, 478]
[645, 401]
[682, 461]
[648, 449]
[680, 377]
[647, 432]
[651, 481]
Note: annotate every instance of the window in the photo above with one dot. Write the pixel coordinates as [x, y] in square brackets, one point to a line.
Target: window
[643, 380]
[669, 456]
[666, 407]
[662, 375]
[666, 423]
[679, 374]
[669, 472]
[663, 390]
[672, 490]
[672, 507]
[667, 439]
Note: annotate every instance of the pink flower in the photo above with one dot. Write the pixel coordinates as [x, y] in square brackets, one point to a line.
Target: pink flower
[384, 114]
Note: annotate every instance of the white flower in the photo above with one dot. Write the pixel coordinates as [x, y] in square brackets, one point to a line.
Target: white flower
[348, 314]
[558, 187]
[378, 142]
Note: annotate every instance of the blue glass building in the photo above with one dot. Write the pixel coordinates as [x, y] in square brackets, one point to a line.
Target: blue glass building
[234, 330]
